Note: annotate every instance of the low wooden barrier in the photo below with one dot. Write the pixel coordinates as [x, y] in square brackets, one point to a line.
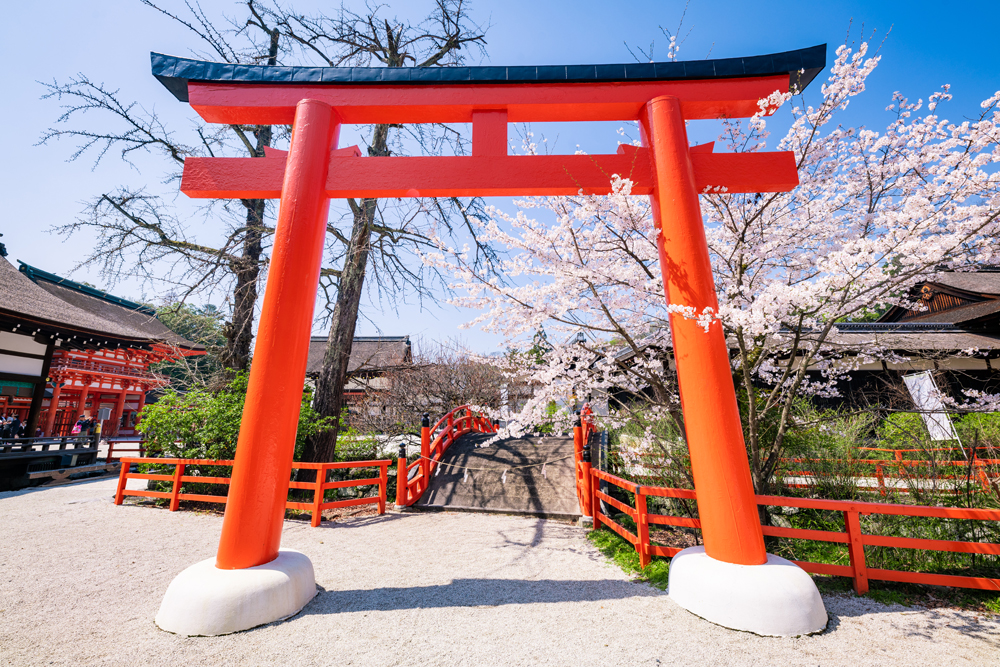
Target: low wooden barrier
[318, 487]
[115, 445]
[412, 479]
[852, 536]
[982, 472]
[883, 475]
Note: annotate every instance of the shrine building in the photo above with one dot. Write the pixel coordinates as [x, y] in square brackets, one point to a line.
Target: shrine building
[68, 351]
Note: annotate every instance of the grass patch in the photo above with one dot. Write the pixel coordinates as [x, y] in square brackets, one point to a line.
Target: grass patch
[624, 556]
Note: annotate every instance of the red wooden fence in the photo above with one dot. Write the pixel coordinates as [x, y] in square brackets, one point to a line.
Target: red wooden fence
[852, 534]
[318, 487]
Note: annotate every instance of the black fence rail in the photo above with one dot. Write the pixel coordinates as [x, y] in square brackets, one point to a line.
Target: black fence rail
[26, 461]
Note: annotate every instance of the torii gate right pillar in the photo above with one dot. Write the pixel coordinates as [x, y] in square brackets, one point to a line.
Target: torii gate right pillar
[731, 580]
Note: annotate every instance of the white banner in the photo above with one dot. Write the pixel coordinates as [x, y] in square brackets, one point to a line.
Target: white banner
[927, 398]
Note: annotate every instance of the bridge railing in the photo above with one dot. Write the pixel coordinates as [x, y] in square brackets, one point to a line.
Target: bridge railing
[852, 535]
[318, 487]
[413, 478]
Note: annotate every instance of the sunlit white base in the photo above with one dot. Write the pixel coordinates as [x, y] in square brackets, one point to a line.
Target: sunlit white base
[777, 598]
[206, 601]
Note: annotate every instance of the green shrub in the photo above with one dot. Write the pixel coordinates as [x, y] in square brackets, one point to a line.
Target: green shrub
[206, 425]
[981, 429]
[904, 430]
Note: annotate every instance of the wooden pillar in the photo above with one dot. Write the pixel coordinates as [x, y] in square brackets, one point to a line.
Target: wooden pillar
[116, 416]
[39, 394]
[255, 511]
[726, 504]
[141, 404]
[50, 418]
[86, 380]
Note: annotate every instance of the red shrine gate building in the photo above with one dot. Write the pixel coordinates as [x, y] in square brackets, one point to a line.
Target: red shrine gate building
[68, 351]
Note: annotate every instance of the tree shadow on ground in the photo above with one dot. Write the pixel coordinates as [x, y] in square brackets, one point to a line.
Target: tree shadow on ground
[475, 593]
[971, 624]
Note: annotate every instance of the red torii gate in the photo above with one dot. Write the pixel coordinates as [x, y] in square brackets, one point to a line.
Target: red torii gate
[317, 101]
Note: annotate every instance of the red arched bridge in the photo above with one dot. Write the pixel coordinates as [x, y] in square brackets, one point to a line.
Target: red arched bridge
[464, 464]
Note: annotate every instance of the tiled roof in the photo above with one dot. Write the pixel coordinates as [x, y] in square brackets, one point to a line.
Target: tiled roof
[139, 320]
[977, 282]
[367, 353]
[72, 309]
[20, 298]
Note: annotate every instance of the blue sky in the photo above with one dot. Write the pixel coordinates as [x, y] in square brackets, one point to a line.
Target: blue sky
[110, 42]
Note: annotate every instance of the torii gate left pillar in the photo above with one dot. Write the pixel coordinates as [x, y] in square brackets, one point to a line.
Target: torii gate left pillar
[731, 581]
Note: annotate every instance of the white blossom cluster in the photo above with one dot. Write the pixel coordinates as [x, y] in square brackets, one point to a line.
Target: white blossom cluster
[875, 212]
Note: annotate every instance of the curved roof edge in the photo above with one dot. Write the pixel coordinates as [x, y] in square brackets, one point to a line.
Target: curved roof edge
[802, 65]
[34, 273]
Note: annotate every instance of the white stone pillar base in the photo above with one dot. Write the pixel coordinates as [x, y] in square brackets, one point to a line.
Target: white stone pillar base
[206, 601]
[777, 598]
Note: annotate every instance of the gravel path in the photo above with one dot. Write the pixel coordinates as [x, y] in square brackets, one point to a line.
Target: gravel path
[81, 579]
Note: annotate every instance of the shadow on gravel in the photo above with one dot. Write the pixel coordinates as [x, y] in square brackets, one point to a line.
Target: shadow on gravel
[969, 623]
[348, 522]
[59, 485]
[475, 593]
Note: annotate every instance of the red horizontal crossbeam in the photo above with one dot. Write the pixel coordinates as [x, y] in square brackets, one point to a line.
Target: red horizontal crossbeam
[537, 102]
[534, 175]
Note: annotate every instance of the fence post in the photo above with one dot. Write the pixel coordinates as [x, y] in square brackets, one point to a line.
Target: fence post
[383, 476]
[981, 473]
[880, 477]
[595, 502]
[642, 527]
[496, 425]
[583, 481]
[318, 493]
[856, 550]
[175, 493]
[111, 450]
[401, 478]
[577, 437]
[122, 481]
[425, 448]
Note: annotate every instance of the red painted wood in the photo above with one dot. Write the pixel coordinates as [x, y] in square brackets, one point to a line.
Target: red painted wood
[251, 528]
[267, 104]
[933, 545]
[958, 581]
[804, 534]
[489, 133]
[881, 508]
[542, 175]
[730, 523]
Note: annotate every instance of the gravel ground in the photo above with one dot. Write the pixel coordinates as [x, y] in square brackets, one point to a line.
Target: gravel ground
[81, 579]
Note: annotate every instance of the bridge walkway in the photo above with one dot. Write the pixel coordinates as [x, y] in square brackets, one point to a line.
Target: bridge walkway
[533, 475]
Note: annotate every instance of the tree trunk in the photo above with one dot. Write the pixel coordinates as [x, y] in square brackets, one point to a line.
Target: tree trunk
[328, 401]
[239, 332]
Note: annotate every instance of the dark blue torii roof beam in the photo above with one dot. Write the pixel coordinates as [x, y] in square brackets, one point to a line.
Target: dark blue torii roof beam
[801, 65]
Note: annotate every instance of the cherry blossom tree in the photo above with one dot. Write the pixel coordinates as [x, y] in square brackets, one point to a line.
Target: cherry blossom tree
[875, 212]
